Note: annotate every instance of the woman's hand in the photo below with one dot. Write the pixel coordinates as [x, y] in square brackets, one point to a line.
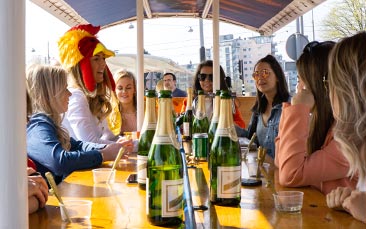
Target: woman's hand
[127, 144]
[111, 150]
[37, 190]
[336, 197]
[355, 204]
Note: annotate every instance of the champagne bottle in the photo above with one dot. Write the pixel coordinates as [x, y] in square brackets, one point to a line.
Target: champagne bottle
[200, 123]
[188, 118]
[225, 164]
[215, 118]
[146, 137]
[213, 124]
[164, 182]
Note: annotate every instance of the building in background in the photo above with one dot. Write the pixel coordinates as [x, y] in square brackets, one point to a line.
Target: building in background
[238, 57]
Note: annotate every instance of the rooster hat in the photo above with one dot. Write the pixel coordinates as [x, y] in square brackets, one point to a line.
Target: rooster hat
[77, 46]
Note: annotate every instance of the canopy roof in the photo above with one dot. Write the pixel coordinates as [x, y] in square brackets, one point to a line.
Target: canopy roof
[263, 16]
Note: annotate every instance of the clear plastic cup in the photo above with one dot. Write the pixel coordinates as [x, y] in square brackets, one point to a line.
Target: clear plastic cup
[288, 201]
[252, 168]
[102, 175]
[76, 209]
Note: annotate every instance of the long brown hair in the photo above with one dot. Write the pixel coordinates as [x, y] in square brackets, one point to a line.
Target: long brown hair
[282, 95]
[313, 70]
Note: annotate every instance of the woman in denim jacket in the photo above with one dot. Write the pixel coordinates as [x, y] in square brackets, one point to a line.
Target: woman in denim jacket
[271, 92]
[48, 144]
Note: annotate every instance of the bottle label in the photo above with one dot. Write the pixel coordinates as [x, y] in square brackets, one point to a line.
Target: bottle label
[151, 126]
[228, 181]
[165, 140]
[227, 132]
[172, 198]
[186, 128]
[215, 119]
[141, 169]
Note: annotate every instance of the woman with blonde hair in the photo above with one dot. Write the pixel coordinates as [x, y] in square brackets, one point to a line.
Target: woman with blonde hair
[124, 115]
[49, 145]
[347, 86]
[90, 83]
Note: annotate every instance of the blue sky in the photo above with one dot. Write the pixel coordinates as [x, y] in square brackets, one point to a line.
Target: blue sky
[163, 37]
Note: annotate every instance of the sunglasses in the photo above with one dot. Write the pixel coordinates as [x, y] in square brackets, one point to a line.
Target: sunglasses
[309, 48]
[202, 77]
[263, 73]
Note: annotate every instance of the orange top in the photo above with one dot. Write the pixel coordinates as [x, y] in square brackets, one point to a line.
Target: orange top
[238, 119]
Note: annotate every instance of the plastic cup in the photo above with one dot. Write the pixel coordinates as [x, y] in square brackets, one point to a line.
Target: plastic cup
[134, 135]
[252, 168]
[101, 175]
[288, 201]
[76, 209]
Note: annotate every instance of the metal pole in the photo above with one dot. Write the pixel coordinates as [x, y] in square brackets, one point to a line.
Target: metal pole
[202, 48]
[216, 49]
[13, 163]
[140, 63]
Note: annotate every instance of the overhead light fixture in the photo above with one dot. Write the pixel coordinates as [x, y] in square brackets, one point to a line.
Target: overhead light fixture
[190, 29]
[206, 8]
[131, 26]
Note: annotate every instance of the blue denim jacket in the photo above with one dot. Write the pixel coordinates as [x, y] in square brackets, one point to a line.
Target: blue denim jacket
[46, 151]
[272, 131]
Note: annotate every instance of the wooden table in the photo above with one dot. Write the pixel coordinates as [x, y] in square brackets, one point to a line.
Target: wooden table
[123, 205]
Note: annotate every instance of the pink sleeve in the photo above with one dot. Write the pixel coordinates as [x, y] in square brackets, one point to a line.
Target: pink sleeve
[296, 168]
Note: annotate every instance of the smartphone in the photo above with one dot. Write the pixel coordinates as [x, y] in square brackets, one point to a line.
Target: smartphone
[132, 178]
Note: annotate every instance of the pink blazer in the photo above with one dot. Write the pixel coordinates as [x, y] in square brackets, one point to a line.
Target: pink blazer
[324, 169]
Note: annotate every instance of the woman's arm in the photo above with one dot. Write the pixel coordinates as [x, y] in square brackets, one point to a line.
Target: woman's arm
[296, 168]
[356, 205]
[44, 147]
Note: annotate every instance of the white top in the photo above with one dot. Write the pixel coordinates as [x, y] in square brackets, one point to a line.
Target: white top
[81, 123]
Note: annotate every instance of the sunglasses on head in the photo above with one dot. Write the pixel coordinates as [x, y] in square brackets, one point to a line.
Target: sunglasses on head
[202, 77]
[264, 73]
[309, 48]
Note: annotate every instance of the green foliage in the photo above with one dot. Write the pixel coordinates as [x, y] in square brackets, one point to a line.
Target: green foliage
[345, 19]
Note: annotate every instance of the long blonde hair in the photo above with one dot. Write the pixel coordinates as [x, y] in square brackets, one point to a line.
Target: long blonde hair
[347, 84]
[99, 99]
[44, 84]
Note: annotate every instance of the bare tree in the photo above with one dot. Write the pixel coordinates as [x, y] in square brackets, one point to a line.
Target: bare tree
[345, 18]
